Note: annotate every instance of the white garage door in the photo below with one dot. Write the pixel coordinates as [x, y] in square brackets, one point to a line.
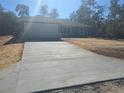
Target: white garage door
[41, 31]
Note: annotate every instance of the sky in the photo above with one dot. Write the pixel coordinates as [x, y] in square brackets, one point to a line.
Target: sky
[64, 7]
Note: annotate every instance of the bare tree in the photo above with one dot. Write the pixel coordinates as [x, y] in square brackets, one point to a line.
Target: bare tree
[73, 16]
[23, 10]
[54, 13]
[44, 10]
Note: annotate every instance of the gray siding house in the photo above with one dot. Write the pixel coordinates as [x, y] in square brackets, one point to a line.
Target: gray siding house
[44, 28]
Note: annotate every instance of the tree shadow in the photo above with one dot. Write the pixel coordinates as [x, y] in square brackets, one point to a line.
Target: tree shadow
[14, 40]
[21, 39]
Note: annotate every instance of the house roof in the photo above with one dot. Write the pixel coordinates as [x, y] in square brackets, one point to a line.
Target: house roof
[42, 19]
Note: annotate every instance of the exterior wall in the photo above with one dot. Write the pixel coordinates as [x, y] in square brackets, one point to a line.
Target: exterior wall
[73, 31]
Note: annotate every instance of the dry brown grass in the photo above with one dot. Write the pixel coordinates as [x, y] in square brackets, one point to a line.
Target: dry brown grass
[9, 54]
[4, 39]
[110, 48]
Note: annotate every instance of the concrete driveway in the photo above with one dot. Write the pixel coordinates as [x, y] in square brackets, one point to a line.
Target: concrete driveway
[51, 65]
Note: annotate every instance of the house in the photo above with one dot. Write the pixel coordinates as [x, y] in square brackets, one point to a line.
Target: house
[39, 28]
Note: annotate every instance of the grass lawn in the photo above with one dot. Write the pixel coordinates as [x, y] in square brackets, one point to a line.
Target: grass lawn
[9, 54]
[112, 48]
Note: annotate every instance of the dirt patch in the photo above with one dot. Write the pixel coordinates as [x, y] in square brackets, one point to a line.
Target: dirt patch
[9, 54]
[115, 86]
[110, 48]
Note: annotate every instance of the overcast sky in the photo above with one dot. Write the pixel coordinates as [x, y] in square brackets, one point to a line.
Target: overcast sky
[65, 7]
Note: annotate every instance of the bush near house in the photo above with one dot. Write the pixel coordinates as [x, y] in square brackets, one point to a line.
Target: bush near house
[9, 24]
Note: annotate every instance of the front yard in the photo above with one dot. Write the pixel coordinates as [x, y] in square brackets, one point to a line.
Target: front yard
[112, 48]
[9, 53]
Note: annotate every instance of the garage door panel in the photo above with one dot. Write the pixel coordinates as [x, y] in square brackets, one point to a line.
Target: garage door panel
[41, 31]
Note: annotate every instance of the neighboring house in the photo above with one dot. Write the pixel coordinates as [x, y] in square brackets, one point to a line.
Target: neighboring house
[44, 28]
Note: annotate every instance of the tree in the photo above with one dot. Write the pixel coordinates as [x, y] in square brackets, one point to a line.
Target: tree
[44, 10]
[120, 23]
[114, 9]
[98, 15]
[1, 8]
[85, 12]
[121, 13]
[54, 13]
[98, 18]
[23, 10]
[9, 23]
[73, 16]
[113, 19]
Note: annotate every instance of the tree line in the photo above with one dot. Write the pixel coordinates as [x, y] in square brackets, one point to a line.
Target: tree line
[102, 24]
[23, 10]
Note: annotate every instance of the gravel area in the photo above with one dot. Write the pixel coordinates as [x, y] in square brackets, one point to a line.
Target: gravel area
[114, 86]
